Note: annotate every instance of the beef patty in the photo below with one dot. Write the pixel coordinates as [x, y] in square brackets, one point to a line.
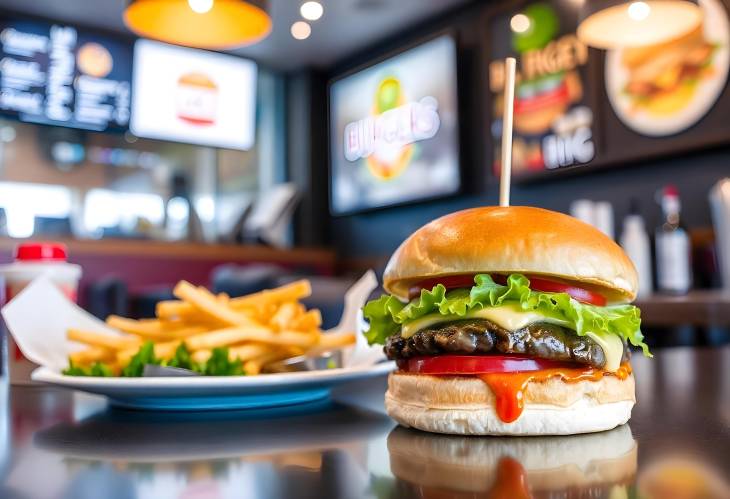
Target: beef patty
[481, 336]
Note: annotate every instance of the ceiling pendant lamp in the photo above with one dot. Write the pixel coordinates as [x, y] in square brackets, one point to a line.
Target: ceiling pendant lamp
[613, 24]
[208, 24]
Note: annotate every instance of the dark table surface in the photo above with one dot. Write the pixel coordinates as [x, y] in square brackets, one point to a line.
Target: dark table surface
[59, 444]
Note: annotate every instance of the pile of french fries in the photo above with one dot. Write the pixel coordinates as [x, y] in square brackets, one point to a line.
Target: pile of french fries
[257, 329]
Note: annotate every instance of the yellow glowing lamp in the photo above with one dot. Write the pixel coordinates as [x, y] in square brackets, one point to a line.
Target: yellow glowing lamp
[613, 24]
[209, 24]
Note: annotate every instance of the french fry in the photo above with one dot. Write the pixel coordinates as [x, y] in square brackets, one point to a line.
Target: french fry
[308, 321]
[286, 313]
[249, 351]
[153, 329]
[262, 314]
[201, 356]
[336, 340]
[255, 365]
[240, 352]
[90, 355]
[166, 349]
[175, 309]
[233, 335]
[103, 340]
[207, 303]
[289, 292]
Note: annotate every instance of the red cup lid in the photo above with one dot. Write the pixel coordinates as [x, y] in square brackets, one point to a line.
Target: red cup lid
[27, 252]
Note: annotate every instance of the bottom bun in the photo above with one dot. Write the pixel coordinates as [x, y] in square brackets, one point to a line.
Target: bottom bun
[465, 405]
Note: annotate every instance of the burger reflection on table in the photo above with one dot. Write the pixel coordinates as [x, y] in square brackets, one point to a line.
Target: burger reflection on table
[601, 465]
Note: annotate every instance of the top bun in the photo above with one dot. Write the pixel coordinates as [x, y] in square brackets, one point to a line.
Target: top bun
[514, 239]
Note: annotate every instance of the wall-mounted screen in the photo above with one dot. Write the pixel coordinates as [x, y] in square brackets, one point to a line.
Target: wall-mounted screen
[193, 96]
[394, 130]
[58, 75]
[554, 125]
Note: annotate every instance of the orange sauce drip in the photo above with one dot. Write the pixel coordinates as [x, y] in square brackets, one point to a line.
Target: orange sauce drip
[509, 388]
[511, 481]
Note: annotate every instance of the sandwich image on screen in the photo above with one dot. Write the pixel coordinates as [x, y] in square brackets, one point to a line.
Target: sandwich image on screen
[193, 96]
[393, 131]
[663, 89]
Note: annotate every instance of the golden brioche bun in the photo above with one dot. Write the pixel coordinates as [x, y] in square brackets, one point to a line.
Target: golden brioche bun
[511, 239]
[464, 405]
[634, 57]
[197, 79]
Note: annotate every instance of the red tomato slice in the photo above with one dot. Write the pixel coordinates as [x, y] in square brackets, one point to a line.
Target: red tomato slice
[477, 364]
[536, 283]
[449, 282]
[579, 294]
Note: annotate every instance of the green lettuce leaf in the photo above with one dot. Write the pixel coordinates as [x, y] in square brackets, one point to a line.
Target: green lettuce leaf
[181, 359]
[380, 313]
[145, 355]
[97, 369]
[386, 314]
[219, 364]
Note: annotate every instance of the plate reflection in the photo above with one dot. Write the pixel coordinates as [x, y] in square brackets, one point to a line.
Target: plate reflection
[131, 455]
[600, 465]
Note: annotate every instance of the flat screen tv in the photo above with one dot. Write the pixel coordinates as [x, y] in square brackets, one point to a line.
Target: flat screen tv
[393, 130]
[193, 96]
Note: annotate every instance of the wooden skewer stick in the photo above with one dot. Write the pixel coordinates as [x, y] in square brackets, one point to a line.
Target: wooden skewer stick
[510, 65]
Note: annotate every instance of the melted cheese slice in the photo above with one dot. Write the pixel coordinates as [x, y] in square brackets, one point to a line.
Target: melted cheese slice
[508, 317]
[613, 349]
[512, 318]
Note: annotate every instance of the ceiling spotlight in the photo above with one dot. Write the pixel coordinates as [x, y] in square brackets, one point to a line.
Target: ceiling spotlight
[638, 11]
[519, 23]
[301, 30]
[200, 6]
[311, 11]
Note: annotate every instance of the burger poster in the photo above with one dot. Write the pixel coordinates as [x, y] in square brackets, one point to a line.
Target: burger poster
[664, 89]
[193, 96]
[553, 123]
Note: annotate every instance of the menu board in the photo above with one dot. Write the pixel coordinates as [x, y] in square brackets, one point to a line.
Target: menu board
[193, 96]
[553, 119]
[394, 130]
[55, 74]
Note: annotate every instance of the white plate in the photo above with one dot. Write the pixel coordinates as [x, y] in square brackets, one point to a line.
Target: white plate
[198, 393]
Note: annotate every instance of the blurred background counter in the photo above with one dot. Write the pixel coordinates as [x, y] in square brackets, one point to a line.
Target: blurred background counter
[129, 277]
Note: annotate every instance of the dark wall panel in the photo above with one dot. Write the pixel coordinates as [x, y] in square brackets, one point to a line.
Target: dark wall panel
[379, 233]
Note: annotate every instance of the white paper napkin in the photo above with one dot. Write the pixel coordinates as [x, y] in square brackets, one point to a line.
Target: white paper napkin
[38, 318]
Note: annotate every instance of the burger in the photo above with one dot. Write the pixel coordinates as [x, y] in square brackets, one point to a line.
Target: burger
[197, 99]
[538, 103]
[508, 321]
[437, 466]
[663, 78]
